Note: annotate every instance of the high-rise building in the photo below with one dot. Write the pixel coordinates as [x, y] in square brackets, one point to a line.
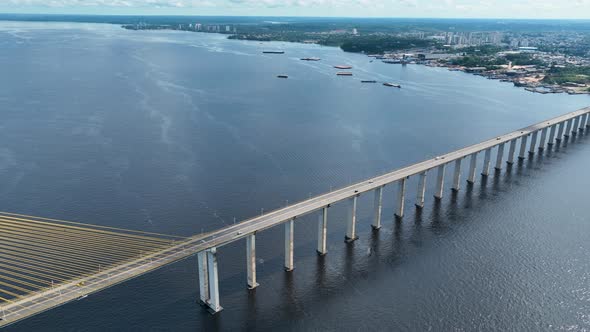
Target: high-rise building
[450, 38]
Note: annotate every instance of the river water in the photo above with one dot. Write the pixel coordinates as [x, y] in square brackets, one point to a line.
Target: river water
[180, 133]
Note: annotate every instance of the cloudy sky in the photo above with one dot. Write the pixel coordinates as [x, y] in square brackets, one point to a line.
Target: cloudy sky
[380, 8]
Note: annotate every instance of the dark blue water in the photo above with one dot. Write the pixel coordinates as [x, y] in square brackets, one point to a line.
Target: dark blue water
[179, 133]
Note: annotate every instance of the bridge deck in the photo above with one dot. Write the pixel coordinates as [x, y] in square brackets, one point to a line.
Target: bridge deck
[132, 261]
[241, 230]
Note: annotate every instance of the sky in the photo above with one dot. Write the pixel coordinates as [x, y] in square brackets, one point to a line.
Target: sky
[575, 9]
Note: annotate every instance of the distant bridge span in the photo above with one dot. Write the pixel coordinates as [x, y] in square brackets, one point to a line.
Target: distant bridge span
[38, 272]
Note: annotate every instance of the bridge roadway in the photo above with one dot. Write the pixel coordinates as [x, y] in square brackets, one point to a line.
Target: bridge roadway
[75, 290]
[241, 230]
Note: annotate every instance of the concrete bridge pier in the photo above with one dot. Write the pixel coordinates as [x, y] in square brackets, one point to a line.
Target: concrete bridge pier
[552, 135]
[289, 235]
[421, 190]
[472, 168]
[440, 182]
[533, 147]
[499, 157]
[576, 125]
[457, 176]
[511, 152]
[377, 208]
[401, 198]
[588, 120]
[209, 280]
[203, 278]
[323, 232]
[583, 122]
[213, 303]
[251, 260]
[351, 215]
[568, 130]
[543, 139]
[486, 162]
[560, 131]
[523, 144]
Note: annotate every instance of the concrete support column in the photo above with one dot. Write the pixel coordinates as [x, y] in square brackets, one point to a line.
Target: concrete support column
[499, 157]
[523, 143]
[543, 138]
[560, 131]
[351, 228]
[571, 128]
[203, 278]
[251, 260]
[213, 302]
[323, 232]
[472, 169]
[587, 120]
[570, 123]
[533, 147]
[377, 208]
[486, 162]
[583, 122]
[401, 198]
[457, 176]
[511, 152]
[421, 190]
[289, 235]
[576, 125]
[552, 135]
[440, 182]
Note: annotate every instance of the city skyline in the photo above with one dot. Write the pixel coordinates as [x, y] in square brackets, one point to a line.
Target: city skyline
[543, 9]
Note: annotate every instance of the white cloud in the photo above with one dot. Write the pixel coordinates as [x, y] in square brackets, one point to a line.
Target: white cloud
[413, 8]
[199, 3]
[111, 3]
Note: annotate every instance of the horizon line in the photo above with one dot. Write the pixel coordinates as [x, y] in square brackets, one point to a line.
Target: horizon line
[302, 16]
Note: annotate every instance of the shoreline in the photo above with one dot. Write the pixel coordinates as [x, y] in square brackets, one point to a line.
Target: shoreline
[522, 81]
[398, 58]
